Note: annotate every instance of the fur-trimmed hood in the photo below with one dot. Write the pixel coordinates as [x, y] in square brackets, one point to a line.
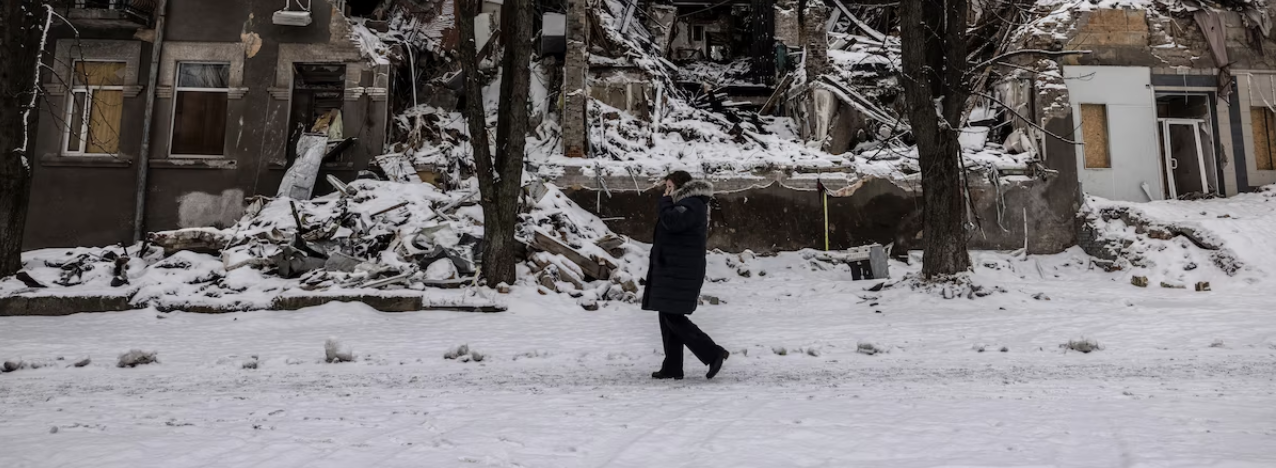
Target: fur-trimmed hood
[694, 188]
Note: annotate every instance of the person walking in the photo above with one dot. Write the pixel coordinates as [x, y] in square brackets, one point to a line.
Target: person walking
[676, 272]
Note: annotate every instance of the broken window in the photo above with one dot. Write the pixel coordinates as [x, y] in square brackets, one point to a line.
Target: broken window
[1264, 121]
[697, 33]
[318, 93]
[1094, 133]
[95, 106]
[199, 112]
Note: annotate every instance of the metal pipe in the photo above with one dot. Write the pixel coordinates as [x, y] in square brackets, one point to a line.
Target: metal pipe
[143, 155]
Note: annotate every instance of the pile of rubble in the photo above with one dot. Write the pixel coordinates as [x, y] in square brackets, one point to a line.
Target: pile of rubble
[366, 237]
[1120, 238]
[369, 234]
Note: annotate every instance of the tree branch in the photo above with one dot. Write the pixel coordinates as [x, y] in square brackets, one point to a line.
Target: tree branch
[1026, 120]
[35, 92]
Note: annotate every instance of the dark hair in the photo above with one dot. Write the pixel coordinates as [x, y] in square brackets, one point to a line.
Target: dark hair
[679, 178]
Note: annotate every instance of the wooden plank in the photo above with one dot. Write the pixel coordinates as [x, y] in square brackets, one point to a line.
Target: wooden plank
[1264, 132]
[630, 5]
[1094, 132]
[777, 95]
[599, 269]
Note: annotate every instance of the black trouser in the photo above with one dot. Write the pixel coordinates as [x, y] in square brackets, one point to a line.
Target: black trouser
[676, 330]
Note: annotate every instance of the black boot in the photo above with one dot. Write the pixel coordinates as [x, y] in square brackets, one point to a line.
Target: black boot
[716, 365]
[661, 375]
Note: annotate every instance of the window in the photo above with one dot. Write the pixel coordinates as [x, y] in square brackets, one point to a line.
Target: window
[1264, 121]
[318, 93]
[199, 109]
[94, 108]
[1094, 133]
[697, 33]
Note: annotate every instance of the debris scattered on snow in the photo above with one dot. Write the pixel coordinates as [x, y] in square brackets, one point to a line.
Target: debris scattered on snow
[335, 351]
[1084, 346]
[457, 352]
[869, 349]
[463, 353]
[136, 358]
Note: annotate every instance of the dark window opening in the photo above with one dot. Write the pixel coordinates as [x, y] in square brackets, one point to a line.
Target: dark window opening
[697, 33]
[199, 110]
[318, 93]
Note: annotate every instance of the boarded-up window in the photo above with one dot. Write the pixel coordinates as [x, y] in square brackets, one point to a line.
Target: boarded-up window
[1264, 137]
[95, 110]
[1094, 132]
[199, 114]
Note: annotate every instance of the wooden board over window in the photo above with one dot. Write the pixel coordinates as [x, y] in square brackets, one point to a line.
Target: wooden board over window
[1094, 132]
[96, 108]
[1264, 121]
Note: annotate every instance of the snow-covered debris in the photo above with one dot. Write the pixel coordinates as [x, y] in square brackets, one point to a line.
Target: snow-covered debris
[1084, 346]
[1183, 242]
[136, 358]
[870, 349]
[335, 352]
[457, 352]
[463, 353]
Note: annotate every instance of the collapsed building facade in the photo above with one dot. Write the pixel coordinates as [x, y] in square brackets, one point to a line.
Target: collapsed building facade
[232, 85]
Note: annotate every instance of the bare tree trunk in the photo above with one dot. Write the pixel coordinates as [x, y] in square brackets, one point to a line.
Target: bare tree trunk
[500, 178]
[21, 26]
[936, 87]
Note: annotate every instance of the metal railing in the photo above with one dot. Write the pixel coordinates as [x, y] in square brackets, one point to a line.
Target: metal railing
[142, 10]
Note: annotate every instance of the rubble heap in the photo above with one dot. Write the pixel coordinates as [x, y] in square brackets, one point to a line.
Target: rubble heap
[367, 238]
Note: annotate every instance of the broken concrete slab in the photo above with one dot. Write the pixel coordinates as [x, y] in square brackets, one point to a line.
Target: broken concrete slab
[198, 240]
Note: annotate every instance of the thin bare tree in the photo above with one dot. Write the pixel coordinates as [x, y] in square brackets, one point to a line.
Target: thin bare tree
[24, 26]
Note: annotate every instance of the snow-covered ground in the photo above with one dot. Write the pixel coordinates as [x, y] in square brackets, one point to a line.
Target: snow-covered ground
[1184, 379]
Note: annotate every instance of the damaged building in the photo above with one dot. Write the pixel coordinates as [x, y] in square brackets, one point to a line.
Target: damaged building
[185, 108]
[1169, 102]
[770, 99]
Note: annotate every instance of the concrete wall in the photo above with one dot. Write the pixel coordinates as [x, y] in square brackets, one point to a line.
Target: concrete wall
[776, 217]
[1131, 130]
[90, 200]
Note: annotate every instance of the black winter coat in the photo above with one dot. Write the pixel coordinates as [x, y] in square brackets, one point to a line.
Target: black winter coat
[677, 266]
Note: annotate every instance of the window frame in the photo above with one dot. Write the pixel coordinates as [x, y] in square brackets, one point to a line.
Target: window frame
[88, 91]
[702, 30]
[178, 89]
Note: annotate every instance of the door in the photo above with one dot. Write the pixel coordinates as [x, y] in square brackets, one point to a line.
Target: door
[1184, 157]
